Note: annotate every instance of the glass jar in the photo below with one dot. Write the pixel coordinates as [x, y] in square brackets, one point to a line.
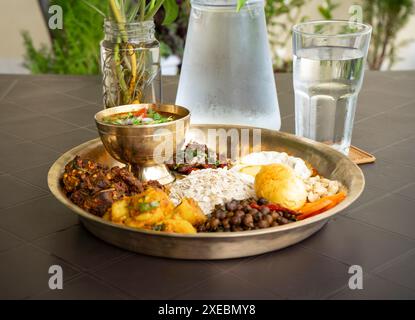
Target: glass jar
[130, 62]
[227, 75]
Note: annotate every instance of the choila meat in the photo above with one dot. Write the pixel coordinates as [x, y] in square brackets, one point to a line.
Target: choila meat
[95, 187]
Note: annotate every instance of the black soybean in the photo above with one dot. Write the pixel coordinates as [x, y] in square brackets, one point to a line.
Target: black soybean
[265, 210]
[262, 201]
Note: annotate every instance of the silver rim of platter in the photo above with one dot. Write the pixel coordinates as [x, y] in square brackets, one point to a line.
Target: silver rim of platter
[221, 245]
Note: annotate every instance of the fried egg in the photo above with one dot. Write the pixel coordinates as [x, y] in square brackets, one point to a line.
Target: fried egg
[249, 165]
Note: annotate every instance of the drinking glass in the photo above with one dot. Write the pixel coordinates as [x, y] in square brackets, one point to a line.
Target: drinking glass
[329, 63]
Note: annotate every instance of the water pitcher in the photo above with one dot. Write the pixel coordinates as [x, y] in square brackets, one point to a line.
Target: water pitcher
[227, 74]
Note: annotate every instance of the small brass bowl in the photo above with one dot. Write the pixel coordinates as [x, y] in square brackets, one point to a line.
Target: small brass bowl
[139, 145]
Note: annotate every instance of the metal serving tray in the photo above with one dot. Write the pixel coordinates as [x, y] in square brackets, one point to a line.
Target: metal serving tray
[224, 245]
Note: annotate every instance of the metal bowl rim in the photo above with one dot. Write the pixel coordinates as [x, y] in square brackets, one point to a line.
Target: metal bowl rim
[139, 107]
[54, 187]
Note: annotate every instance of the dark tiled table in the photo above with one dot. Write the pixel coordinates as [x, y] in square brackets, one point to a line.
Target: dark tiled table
[42, 116]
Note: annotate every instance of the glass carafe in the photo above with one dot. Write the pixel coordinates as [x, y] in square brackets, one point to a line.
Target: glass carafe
[227, 74]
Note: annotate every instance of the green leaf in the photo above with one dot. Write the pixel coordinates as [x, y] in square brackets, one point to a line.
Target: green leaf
[240, 4]
[144, 207]
[94, 7]
[134, 13]
[171, 11]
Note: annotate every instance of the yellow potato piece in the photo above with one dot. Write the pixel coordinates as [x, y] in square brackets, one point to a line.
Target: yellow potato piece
[190, 211]
[150, 218]
[136, 224]
[119, 211]
[153, 208]
[178, 226]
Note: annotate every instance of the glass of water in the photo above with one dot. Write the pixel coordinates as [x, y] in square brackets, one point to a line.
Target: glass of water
[329, 63]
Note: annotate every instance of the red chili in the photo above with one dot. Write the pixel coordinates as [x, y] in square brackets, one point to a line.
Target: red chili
[141, 112]
[255, 205]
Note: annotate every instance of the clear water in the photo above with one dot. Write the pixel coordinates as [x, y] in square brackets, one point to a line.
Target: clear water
[227, 75]
[148, 67]
[327, 81]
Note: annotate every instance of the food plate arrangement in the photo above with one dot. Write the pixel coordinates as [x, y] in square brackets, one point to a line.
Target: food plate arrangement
[271, 198]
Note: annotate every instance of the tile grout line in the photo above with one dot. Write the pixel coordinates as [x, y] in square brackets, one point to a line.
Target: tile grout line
[26, 182]
[391, 262]
[365, 274]
[45, 236]
[53, 116]
[258, 287]
[39, 113]
[387, 194]
[334, 292]
[194, 285]
[13, 172]
[381, 229]
[79, 268]
[393, 282]
[30, 244]
[404, 195]
[78, 98]
[45, 145]
[7, 91]
[65, 90]
[402, 105]
[393, 144]
[65, 282]
[69, 263]
[65, 93]
[368, 225]
[127, 294]
[107, 265]
[25, 202]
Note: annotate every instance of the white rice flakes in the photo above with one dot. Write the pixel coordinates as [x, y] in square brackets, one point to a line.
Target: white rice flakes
[210, 187]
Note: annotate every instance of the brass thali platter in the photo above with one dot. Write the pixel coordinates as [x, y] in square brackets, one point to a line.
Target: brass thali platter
[222, 245]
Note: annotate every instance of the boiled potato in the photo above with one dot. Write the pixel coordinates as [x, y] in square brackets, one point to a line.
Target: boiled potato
[153, 209]
[151, 205]
[190, 211]
[146, 208]
[178, 225]
[119, 211]
[150, 218]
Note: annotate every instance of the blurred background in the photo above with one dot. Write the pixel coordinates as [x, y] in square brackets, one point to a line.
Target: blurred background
[31, 47]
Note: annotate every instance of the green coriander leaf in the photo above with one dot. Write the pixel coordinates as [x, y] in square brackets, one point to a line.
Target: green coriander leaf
[157, 116]
[144, 207]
